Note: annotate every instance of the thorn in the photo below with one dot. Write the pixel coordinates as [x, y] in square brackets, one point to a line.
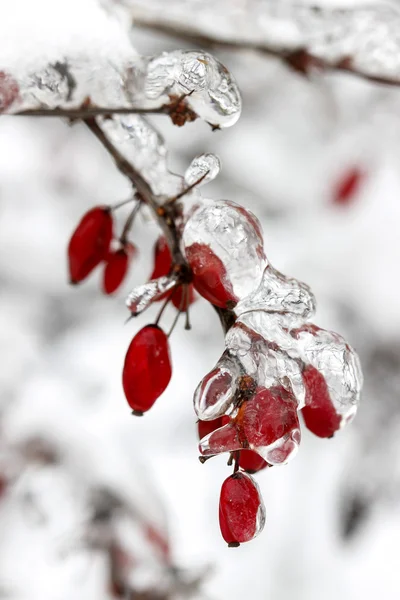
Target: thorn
[132, 316]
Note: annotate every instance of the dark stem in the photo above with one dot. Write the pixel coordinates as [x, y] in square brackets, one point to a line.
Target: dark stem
[83, 112]
[164, 306]
[187, 190]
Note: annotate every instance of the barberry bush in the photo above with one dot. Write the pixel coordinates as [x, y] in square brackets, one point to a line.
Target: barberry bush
[278, 373]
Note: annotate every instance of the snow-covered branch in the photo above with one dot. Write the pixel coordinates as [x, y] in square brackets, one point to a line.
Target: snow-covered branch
[362, 40]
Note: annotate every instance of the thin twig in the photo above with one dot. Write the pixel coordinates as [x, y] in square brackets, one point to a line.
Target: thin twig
[128, 224]
[187, 189]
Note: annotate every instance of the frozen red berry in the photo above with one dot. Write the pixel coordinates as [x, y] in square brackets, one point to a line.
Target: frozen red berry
[116, 267]
[147, 368]
[319, 413]
[241, 509]
[348, 185]
[251, 462]
[90, 243]
[209, 276]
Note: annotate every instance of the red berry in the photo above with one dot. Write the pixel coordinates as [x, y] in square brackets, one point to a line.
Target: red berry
[9, 90]
[268, 416]
[116, 268]
[147, 368]
[319, 413]
[162, 258]
[241, 510]
[251, 462]
[183, 298]
[209, 276]
[347, 187]
[90, 243]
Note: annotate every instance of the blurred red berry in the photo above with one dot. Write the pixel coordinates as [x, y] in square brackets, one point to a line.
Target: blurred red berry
[241, 510]
[9, 90]
[183, 298]
[348, 186]
[147, 368]
[162, 258]
[209, 276]
[116, 267]
[90, 243]
[319, 413]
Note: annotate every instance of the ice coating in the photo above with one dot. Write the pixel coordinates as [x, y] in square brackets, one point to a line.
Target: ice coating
[215, 394]
[136, 82]
[205, 165]
[141, 144]
[366, 36]
[267, 423]
[337, 362]
[214, 95]
[288, 297]
[233, 235]
[144, 295]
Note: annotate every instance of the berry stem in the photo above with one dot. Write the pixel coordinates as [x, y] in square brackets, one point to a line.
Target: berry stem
[187, 189]
[121, 204]
[129, 222]
[164, 306]
[187, 320]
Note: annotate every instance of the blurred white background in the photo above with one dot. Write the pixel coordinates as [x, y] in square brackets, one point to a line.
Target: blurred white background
[62, 348]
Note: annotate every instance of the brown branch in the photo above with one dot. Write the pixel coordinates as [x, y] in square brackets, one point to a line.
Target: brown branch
[298, 59]
[83, 112]
[165, 213]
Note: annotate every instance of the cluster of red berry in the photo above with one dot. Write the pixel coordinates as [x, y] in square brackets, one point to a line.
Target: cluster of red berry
[91, 245]
[274, 364]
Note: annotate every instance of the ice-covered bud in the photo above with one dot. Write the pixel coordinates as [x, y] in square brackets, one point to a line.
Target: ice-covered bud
[214, 95]
[224, 247]
[266, 423]
[216, 392]
[143, 296]
[206, 166]
[289, 298]
[340, 387]
[241, 509]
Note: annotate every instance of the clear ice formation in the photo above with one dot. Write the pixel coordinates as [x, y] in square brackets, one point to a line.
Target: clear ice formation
[141, 83]
[144, 295]
[234, 236]
[260, 381]
[206, 165]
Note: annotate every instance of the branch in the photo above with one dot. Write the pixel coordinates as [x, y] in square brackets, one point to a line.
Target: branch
[165, 212]
[177, 109]
[301, 58]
